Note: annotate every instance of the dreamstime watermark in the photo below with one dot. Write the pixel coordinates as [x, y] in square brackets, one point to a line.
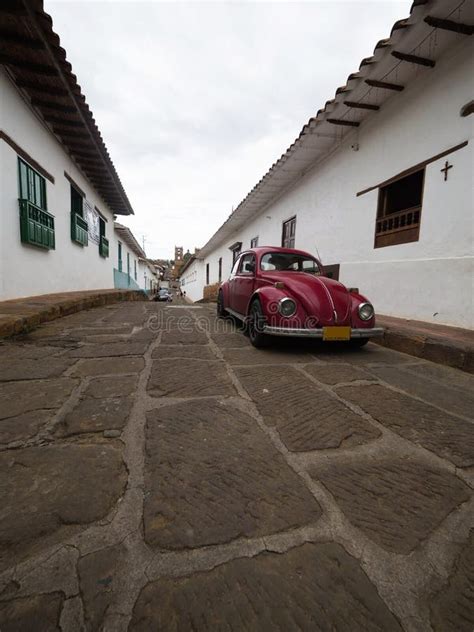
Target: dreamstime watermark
[163, 320]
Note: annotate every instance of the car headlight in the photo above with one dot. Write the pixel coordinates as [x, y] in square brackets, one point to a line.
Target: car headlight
[366, 311]
[287, 307]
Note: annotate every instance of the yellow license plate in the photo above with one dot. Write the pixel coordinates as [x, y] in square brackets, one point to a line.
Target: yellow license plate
[336, 333]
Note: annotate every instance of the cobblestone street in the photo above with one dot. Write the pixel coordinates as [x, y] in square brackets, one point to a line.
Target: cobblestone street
[159, 473]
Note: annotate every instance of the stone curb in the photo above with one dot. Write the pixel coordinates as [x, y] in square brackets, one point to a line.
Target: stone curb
[22, 315]
[437, 343]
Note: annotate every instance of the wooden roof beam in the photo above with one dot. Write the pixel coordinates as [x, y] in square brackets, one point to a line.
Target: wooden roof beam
[52, 105]
[374, 83]
[39, 69]
[449, 25]
[343, 122]
[362, 106]
[413, 59]
[22, 40]
[71, 135]
[43, 88]
[62, 121]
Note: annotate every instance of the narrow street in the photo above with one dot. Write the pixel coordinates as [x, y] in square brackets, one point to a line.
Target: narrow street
[159, 473]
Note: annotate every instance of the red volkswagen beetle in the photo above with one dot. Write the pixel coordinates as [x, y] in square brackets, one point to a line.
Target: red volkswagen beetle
[284, 292]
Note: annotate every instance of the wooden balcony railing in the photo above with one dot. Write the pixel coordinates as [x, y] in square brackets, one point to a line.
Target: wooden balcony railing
[103, 246]
[36, 225]
[79, 228]
[396, 222]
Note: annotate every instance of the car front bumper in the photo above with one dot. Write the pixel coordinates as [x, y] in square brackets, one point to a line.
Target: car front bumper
[318, 333]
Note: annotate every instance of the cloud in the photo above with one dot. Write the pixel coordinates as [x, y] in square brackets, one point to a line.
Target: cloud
[195, 101]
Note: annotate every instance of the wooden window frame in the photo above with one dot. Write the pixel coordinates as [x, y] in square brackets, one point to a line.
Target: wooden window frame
[236, 250]
[220, 269]
[207, 274]
[292, 239]
[332, 271]
[401, 227]
[254, 242]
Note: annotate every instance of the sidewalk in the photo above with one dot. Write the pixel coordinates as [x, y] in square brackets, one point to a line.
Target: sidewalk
[452, 346]
[24, 314]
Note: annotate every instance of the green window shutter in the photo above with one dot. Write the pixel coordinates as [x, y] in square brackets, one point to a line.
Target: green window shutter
[36, 224]
[120, 257]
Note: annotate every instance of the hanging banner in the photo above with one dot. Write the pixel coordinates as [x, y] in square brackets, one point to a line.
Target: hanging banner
[92, 218]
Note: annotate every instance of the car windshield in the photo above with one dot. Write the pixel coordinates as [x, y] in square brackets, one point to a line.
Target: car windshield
[289, 262]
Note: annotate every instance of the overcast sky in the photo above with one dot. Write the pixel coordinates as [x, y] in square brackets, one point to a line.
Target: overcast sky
[195, 101]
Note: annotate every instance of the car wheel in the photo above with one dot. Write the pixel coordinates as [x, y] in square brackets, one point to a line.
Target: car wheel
[359, 342]
[255, 324]
[221, 311]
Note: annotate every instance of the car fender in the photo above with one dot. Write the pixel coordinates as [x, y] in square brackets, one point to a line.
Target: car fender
[357, 322]
[269, 297]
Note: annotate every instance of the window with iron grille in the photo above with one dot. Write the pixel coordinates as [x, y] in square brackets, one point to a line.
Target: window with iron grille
[36, 224]
[399, 211]
[288, 233]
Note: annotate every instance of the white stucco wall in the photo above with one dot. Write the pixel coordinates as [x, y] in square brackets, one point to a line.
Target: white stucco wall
[430, 279]
[193, 279]
[26, 270]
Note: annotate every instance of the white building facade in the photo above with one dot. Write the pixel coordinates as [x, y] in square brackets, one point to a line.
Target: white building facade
[379, 184]
[59, 191]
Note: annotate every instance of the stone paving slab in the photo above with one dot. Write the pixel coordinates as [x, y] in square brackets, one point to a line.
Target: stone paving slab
[435, 430]
[249, 355]
[97, 575]
[111, 349]
[116, 386]
[40, 613]
[184, 338]
[197, 379]
[16, 369]
[21, 397]
[306, 418]
[108, 366]
[212, 476]
[336, 374]
[398, 504]
[74, 485]
[25, 426]
[196, 352]
[456, 400]
[312, 587]
[370, 354]
[96, 415]
[452, 607]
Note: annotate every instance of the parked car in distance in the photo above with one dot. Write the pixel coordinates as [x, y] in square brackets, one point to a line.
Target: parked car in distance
[163, 295]
[284, 292]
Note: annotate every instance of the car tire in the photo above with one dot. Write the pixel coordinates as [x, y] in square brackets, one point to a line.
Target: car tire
[221, 311]
[359, 342]
[255, 324]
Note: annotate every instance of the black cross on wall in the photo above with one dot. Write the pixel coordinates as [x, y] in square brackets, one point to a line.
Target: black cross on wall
[445, 169]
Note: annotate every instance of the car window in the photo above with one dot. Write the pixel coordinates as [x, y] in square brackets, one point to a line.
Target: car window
[289, 262]
[235, 267]
[246, 264]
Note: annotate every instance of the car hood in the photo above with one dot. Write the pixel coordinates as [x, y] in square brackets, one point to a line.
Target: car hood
[323, 298]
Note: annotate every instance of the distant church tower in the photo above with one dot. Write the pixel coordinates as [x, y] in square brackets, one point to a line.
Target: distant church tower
[178, 253]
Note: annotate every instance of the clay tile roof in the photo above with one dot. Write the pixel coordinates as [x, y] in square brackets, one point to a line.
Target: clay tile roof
[31, 52]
